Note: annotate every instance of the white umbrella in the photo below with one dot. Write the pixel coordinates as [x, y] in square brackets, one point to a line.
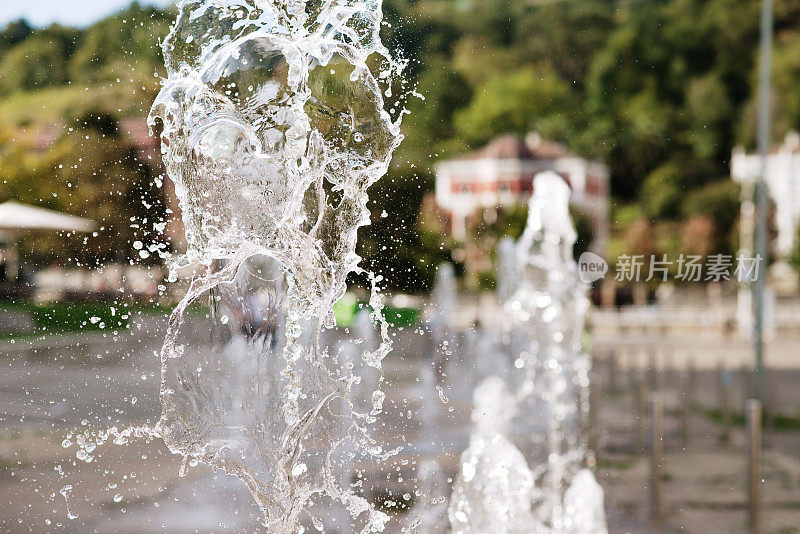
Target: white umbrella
[17, 219]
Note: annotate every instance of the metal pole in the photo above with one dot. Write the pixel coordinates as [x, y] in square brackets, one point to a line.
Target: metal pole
[611, 363]
[595, 396]
[652, 372]
[656, 406]
[744, 373]
[640, 394]
[769, 404]
[686, 409]
[726, 408]
[632, 365]
[764, 110]
[754, 475]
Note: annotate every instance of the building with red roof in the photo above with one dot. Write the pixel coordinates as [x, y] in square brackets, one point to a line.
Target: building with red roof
[501, 174]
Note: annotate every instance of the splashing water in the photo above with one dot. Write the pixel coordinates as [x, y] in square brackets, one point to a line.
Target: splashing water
[494, 488]
[440, 325]
[524, 469]
[429, 514]
[550, 380]
[506, 269]
[273, 126]
[65, 492]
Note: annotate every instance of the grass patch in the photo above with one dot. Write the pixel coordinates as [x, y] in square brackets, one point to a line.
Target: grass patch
[345, 314]
[777, 422]
[401, 316]
[80, 317]
[69, 317]
[53, 105]
[783, 422]
[614, 465]
[737, 418]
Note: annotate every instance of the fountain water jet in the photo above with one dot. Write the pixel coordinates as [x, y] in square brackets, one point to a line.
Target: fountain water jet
[440, 325]
[494, 488]
[429, 514]
[544, 304]
[273, 127]
[551, 377]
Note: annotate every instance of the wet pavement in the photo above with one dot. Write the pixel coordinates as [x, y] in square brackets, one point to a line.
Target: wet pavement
[94, 381]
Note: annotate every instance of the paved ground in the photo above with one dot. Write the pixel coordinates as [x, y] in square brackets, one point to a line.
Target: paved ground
[704, 484]
[50, 388]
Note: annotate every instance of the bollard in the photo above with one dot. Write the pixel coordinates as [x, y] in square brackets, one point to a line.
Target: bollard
[595, 396]
[725, 406]
[640, 411]
[652, 372]
[745, 382]
[668, 372]
[754, 475]
[720, 383]
[686, 409]
[611, 368]
[769, 404]
[632, 364]
[656, 435]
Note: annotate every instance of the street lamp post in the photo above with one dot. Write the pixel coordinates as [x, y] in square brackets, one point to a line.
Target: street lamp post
[764, 107]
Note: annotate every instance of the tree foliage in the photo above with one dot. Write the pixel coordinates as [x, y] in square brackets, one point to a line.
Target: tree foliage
[660, 90]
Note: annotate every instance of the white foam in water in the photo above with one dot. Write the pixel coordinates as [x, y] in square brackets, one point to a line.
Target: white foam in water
[494, 488]
[583, 505]
[273, 126]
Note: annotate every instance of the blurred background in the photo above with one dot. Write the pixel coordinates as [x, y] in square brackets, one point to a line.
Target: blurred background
[647, 108]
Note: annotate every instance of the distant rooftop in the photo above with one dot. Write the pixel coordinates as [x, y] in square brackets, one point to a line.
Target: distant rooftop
[512, 146]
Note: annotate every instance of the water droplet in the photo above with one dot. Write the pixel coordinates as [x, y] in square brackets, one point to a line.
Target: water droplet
[299, 469]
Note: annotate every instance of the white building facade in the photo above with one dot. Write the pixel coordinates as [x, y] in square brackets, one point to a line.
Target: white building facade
[501, 174]
[783, 183]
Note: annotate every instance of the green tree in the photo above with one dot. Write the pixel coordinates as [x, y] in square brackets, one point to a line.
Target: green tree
[711, 117]
[38, 61]
[15, 32]
[112, 46]
[662, 191]
[719, 202]
[428, 128]
[527, 99]
[91, 171]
